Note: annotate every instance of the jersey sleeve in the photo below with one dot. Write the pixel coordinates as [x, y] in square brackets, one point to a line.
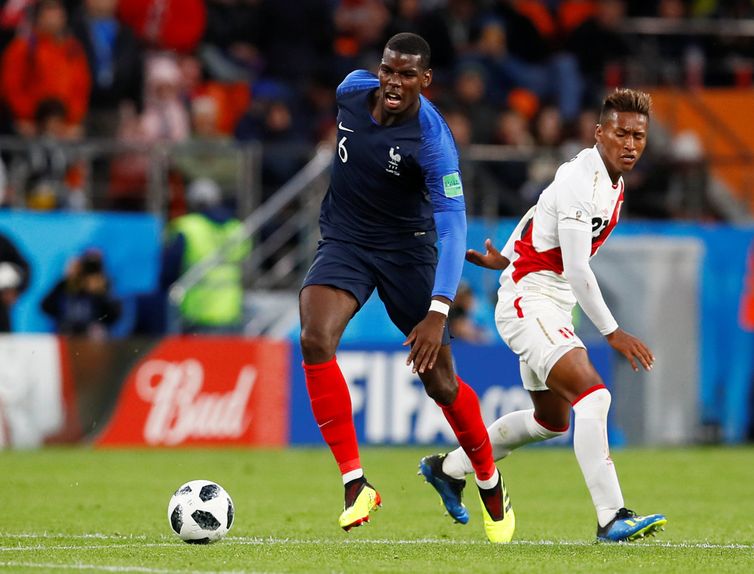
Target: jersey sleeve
[451, 230]
[438, 159]
[355, 81]
[574, 203]
[576, 246]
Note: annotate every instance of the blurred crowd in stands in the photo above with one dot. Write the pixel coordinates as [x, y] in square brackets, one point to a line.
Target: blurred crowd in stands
[206, 75]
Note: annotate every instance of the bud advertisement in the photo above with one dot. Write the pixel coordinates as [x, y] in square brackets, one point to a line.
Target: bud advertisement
[205, 391]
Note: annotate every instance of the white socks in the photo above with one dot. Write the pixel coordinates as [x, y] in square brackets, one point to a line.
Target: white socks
[589, 443]
[506, 434]
[490, 482]
[352, 475]
[593, 453]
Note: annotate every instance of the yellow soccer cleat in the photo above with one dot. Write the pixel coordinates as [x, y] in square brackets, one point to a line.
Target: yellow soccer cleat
[497, 511]
[366, 500]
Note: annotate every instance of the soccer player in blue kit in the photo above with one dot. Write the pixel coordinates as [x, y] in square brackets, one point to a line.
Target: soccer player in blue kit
[395, 190]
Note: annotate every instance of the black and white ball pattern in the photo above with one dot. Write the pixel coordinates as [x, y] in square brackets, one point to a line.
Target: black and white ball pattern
[200, 512]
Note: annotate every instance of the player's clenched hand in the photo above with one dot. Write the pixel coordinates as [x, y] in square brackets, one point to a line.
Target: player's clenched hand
[632, 348]
[425, 340]
[492, 259]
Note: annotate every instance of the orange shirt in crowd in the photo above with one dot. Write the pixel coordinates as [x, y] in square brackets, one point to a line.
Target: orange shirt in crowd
[40, 67]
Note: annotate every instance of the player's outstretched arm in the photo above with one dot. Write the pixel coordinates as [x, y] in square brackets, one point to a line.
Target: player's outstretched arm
[491, 259]
[632, 348]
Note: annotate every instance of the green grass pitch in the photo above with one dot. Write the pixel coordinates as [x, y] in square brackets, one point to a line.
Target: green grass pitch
[81, 509]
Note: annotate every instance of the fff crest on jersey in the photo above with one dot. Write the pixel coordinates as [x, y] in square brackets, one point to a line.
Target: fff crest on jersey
[394, 161]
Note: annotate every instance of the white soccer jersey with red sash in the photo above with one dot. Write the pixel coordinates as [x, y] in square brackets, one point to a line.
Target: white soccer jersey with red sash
[580, 196]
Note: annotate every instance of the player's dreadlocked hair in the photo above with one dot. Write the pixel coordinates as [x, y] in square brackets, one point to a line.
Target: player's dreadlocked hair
[626, 100]
[409, 43]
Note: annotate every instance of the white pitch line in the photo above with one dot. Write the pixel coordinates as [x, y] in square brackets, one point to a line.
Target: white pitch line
[86, 546]
[95, 535]
[108, 568]
[135, 542]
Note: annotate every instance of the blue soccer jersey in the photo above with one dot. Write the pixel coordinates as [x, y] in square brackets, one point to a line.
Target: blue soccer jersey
[388, 181]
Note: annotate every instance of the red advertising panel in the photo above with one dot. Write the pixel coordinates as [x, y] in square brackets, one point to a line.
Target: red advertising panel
[204, 391]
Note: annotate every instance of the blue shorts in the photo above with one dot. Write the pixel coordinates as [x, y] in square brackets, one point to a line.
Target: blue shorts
[403, 279]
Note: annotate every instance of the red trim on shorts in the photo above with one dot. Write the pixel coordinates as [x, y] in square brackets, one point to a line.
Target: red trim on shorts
[589, 391]
[551, 428]
[517, 305]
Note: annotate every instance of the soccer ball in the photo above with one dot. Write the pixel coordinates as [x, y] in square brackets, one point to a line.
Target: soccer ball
[200, 512]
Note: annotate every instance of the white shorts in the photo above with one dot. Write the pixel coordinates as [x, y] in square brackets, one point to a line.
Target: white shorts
[539, 330]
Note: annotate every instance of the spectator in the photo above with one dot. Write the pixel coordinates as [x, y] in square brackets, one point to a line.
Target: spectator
[168, 26]
[557, 79]
[512, 131]
[271, 122]
[479, 187]
[52, 177]
[14, 279]
[688, 196]
[582, 134]
[208, 153]
[530, 29]
[285, 153]
[115, 64]
[215, 303]
[320, 105]
[470, 97]
[46, 63]
[461, 18]
[411, 16]
[601, 49]
[230, 47]
[165, 117]
[548, 133]
[82, 303]
[360, 26]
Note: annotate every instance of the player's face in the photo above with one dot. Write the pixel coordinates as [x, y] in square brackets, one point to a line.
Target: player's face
[621, 139]
[402, 78]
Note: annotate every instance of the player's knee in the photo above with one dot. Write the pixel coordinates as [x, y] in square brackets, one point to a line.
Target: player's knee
[442, 394]
[594, 405]
[551, 426]
[441, 388]
[317, 347]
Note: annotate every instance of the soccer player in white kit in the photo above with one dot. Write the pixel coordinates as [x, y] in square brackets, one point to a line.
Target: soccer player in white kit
[545, 272]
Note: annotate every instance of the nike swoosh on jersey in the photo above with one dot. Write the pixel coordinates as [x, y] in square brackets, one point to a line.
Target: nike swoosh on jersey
[344, 128]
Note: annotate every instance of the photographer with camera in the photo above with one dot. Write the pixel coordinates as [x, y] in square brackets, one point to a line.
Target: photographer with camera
[81, 303]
